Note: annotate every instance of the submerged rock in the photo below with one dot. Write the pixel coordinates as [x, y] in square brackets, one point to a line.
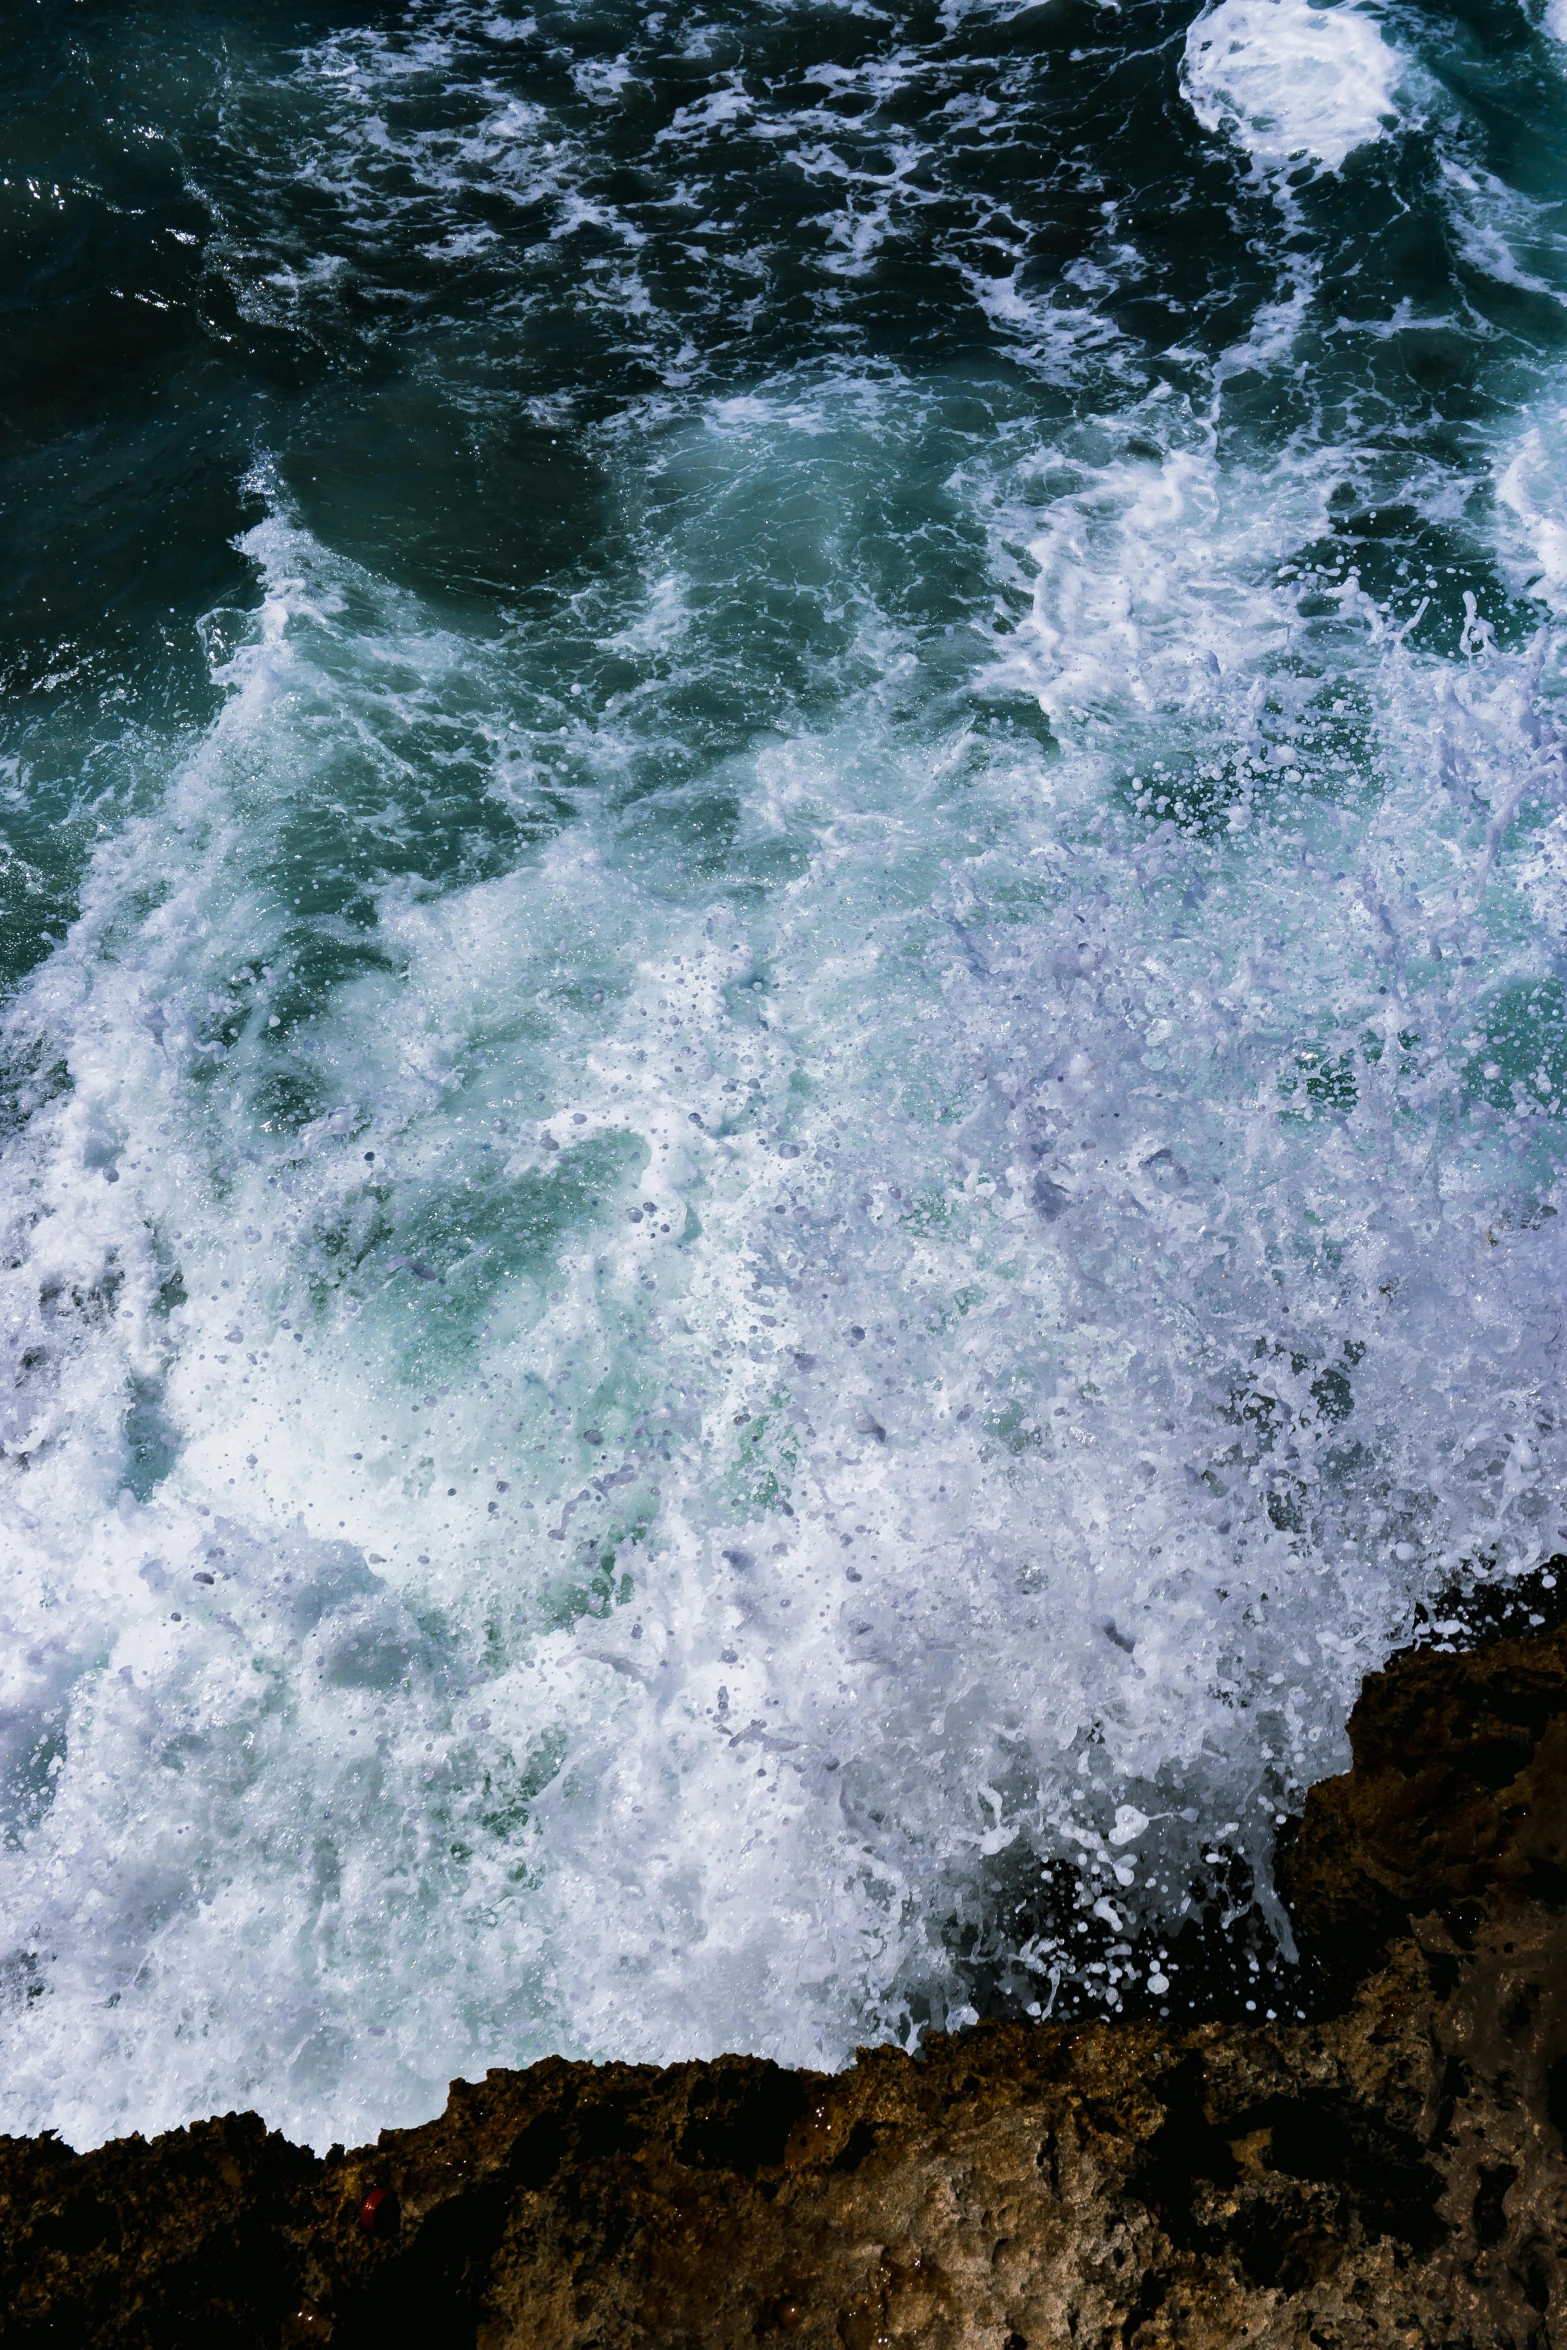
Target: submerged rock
[1391, 2171]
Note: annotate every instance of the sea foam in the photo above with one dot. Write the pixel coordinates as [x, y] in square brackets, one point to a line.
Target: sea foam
[1294, 84]
[910, 1376]
[734, 1298]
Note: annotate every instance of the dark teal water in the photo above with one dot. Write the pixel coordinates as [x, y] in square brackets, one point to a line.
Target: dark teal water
[783, 910]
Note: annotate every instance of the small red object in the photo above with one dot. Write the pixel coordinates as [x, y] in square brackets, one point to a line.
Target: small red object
[370, 2210]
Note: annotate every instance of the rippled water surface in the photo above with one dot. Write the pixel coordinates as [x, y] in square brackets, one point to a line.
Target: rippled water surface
[784, 903]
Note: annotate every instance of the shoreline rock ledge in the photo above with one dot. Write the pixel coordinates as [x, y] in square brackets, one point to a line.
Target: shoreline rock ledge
[1391, 2172]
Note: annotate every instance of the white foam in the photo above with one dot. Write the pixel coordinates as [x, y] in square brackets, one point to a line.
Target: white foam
[1292, 83]
[934, 1278]
[983, 1286]
[1529, 491]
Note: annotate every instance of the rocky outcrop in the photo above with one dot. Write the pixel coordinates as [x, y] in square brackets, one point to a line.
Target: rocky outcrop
[1391, 2171]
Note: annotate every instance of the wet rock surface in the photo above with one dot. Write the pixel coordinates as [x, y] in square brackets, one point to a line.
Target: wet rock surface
[1391, 2170]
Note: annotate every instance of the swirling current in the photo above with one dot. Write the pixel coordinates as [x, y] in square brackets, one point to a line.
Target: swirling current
[783, 897]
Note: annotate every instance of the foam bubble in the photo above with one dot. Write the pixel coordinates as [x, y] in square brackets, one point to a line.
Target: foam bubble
[1291, 82]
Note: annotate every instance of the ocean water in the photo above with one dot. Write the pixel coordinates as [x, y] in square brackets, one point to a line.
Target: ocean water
[784, 1055]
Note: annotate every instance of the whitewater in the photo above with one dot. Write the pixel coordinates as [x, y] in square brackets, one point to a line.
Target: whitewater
[784, 895]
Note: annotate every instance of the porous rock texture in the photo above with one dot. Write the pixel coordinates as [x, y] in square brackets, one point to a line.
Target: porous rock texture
[1391, 2172]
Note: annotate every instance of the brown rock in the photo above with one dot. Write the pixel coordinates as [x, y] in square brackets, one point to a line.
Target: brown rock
[1392, 2173]
[1457, 1797]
